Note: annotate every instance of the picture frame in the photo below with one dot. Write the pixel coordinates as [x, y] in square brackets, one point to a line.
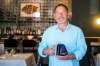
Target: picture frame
[30, 9]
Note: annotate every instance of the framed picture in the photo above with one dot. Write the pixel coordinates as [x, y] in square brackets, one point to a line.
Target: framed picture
[29, 9]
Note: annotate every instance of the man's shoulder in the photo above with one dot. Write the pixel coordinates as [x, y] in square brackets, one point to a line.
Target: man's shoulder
[50, 29]
[75, 27]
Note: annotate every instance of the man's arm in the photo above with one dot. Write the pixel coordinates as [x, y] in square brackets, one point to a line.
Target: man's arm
[81, 46]
[43, 45]
[67, 57]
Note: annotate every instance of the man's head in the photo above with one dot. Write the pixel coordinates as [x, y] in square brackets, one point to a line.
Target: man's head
[61, 13]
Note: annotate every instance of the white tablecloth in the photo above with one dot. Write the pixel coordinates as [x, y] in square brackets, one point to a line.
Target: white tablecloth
[18, 60]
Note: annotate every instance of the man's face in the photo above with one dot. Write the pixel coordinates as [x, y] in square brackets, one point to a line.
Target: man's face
[60, 15]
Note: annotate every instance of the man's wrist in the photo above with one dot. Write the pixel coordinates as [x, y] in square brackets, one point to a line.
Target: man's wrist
[71, 56]
[44, 52]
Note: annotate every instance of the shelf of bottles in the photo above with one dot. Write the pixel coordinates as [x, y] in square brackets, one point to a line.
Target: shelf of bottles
[12, 23]
[24, 28]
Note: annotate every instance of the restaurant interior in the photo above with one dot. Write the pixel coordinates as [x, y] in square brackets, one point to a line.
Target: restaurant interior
[23, 22]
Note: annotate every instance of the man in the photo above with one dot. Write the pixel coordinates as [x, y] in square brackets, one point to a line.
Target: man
[69, 35]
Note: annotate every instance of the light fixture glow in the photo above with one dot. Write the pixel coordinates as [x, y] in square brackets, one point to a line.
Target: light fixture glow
[98, 21]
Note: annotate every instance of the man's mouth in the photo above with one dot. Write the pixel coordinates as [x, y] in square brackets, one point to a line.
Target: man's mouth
[61, 18]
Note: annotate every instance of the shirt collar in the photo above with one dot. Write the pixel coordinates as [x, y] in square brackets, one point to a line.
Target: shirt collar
[67, 27]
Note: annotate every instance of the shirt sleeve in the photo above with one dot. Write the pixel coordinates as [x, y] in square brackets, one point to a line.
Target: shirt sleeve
[43, 45]
[81, 46]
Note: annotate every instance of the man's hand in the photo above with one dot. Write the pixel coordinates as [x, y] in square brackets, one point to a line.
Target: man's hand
[67, 57]
[49, 51]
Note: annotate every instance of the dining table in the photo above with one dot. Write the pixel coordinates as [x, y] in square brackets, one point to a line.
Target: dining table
[18, 59]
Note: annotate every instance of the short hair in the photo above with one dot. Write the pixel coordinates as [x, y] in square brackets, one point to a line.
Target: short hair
[66, 8]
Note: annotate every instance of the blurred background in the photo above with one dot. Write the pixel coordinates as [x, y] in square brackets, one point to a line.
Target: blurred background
[22, 23]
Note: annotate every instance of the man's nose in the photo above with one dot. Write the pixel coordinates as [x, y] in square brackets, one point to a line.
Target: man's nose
[60, 14]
